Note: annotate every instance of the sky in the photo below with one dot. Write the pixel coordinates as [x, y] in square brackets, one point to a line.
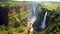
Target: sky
[39, 0]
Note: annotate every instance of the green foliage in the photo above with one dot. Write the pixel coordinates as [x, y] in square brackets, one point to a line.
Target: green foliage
[13, 3]
[3, 29]
[52, 17]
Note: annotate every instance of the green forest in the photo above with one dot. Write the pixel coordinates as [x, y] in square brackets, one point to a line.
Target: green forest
[15, 16]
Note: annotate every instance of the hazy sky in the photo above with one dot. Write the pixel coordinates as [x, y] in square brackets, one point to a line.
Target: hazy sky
[39, 0]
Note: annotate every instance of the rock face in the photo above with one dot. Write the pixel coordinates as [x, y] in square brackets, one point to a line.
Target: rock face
[3, 16]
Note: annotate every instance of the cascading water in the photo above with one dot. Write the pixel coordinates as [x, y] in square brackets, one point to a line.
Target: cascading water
[43, 25]
[33, 16]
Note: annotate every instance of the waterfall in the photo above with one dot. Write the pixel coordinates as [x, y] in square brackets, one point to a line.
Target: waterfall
[44, 20]
[33, 16]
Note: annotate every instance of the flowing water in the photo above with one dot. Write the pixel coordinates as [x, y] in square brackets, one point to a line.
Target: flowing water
[43, 25]
[33, 17]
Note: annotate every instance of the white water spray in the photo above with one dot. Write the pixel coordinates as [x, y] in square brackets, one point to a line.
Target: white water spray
[44, 20]
[32, 17]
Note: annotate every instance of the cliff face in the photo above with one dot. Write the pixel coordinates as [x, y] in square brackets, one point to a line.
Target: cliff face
[53, 18]
[3, 16]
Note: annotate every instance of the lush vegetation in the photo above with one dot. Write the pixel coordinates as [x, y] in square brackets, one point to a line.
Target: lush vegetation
[17, 22]
[16, 19]
[53, 17]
